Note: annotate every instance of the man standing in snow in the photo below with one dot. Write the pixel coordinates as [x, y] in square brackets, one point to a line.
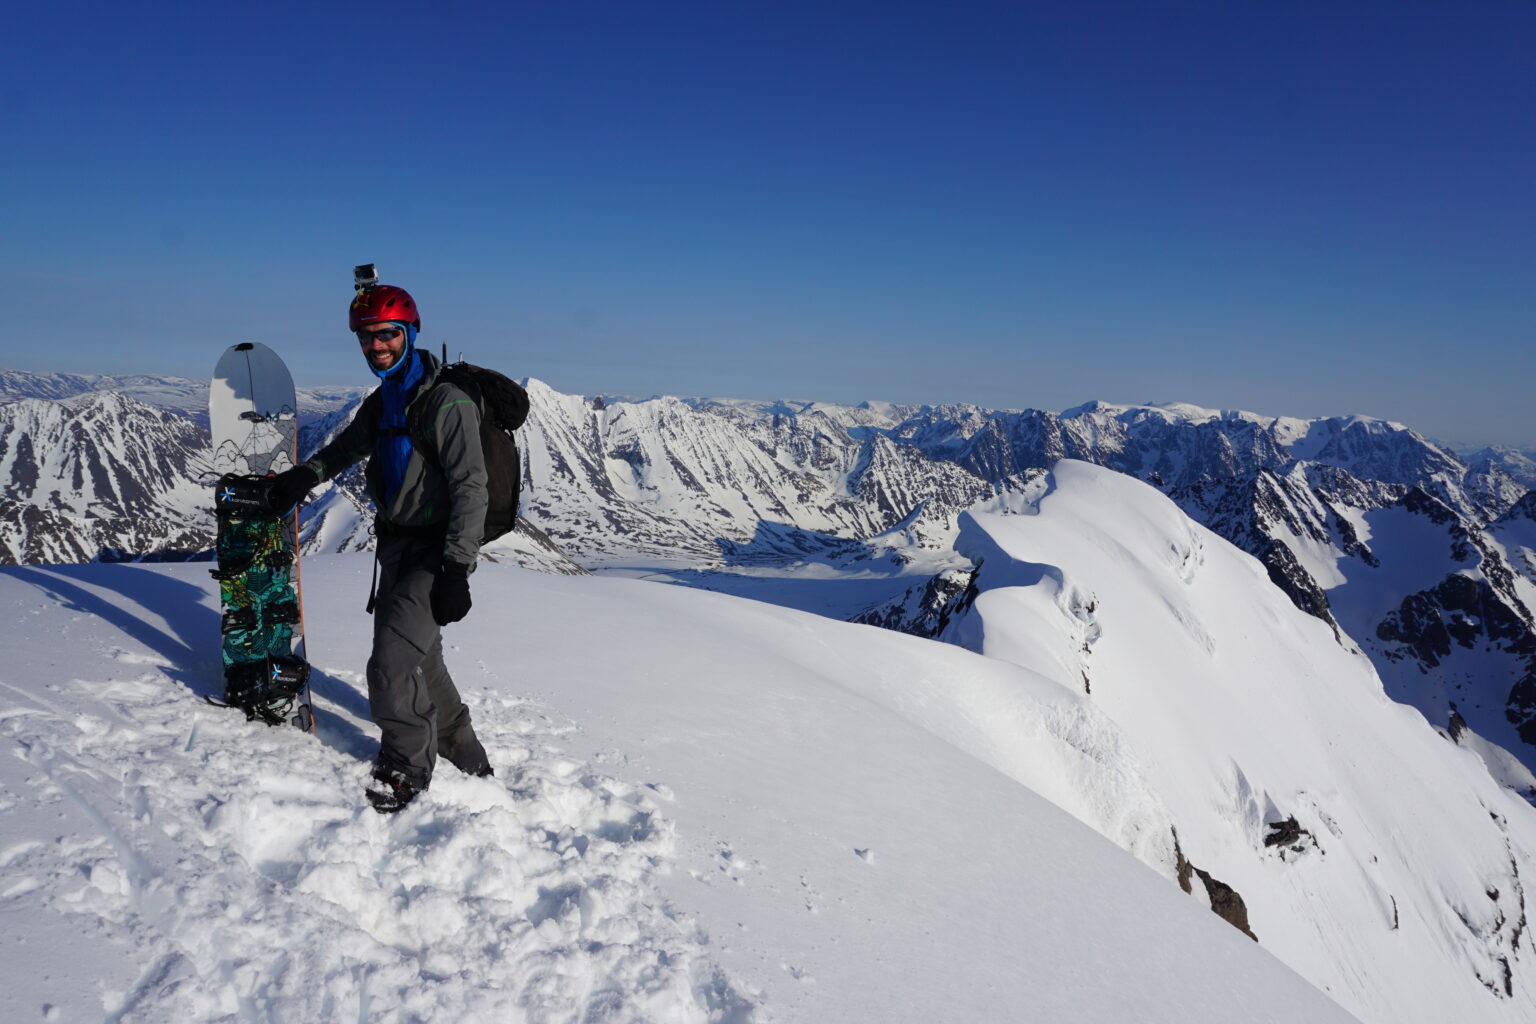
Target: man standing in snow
[430, 519]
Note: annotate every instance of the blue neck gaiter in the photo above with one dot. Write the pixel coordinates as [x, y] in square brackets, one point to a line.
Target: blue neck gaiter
[394, 444]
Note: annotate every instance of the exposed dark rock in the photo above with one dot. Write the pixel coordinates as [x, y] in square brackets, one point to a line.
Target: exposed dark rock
[1287, 574]
[1289, 839]
[1225, 901]
[1421, 502]
[1284, 833]
[1457, 724]
[1349, 540]
[1459, 609]
[926, 609]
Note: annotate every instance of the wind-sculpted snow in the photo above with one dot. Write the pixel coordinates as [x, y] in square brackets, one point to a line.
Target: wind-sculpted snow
[705, 809]
[1301, 496]
[1371, 854]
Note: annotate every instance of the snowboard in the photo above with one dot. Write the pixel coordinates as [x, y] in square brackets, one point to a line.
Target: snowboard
[253, 417]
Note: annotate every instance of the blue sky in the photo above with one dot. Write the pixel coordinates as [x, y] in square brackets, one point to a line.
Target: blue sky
[1302, 208]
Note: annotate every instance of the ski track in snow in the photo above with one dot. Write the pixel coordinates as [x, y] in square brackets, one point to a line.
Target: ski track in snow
[246, 869]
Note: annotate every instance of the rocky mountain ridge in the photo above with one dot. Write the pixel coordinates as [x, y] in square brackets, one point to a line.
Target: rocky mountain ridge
[100, 477]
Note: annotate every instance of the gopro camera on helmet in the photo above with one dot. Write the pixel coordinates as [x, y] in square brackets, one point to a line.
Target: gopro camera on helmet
[375, 302]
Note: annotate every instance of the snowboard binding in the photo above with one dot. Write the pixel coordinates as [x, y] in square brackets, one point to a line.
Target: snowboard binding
[243, 496]
[267, 689]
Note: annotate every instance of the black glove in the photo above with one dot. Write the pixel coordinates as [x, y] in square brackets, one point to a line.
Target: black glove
[450, 593]
[287, 488]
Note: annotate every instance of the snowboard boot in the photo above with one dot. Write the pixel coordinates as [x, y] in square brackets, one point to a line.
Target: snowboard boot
[389, 790]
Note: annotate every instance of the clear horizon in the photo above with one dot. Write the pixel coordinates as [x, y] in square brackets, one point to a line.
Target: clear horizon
[1308, 211]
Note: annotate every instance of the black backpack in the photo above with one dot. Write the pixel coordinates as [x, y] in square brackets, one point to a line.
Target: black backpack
[503, 406]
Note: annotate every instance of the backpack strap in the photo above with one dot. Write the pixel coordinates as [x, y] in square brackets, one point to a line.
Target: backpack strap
[415, 416]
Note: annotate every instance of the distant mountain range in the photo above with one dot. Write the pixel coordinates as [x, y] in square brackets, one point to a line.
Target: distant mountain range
[185, 395]
[1422, 559]
[114, 467]
[1519, 463]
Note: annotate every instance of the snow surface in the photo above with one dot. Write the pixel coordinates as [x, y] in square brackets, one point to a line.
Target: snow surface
[706, 809]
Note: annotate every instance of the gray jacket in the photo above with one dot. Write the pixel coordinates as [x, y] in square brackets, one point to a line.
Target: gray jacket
[448, 491]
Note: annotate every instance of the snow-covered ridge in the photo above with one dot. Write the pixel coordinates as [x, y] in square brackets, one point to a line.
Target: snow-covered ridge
[1370, 852]
[658, 470]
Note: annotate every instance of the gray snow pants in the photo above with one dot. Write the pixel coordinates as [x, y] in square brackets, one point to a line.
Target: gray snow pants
[410, 693]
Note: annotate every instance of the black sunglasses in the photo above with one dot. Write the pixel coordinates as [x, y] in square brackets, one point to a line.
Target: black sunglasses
[386, 334]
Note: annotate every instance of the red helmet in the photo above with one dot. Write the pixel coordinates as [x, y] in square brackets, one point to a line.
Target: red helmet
[383, 302]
